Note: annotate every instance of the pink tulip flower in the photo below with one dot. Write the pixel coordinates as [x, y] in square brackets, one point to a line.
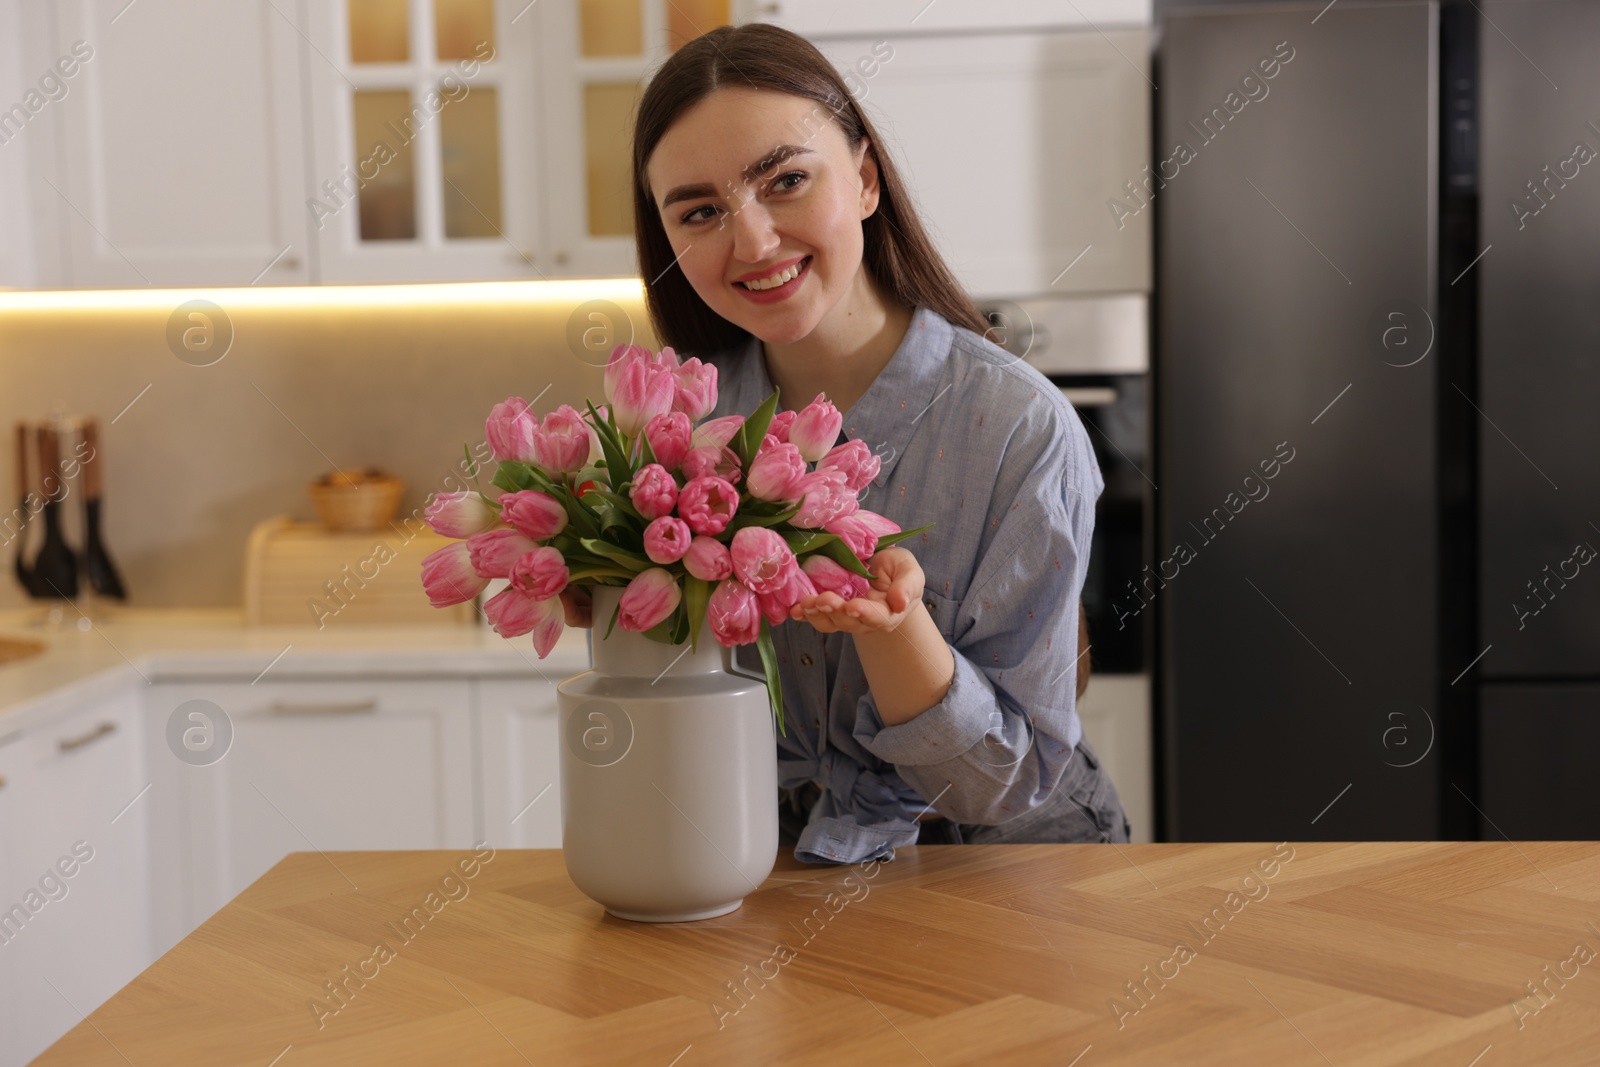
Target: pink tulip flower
[830, 577]
[775, 606]
[733, 613]
[448, 576]
[460, 514]
[762, 559]
[716, 431]
[561, 443]
[718, 460]
[779, 426]
[513, 613]
[669, 436]
[776, 472]
[707, 504]
[666, 539]
[510, 428]
[708, 558]
[534, 514]
[861, 530]
[816, 428]
[857, 461]
[541, 573]
[650, 597]
[826, 497]
[621, 357]
[695, 386]
[653, 492]
[644, 390]
[494, 551]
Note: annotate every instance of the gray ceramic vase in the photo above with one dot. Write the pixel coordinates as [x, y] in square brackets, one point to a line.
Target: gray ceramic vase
[669, 776]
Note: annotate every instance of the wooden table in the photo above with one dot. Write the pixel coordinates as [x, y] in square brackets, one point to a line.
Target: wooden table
[1326, 953]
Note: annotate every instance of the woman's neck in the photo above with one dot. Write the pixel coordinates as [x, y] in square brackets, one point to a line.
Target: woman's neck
[844, 353]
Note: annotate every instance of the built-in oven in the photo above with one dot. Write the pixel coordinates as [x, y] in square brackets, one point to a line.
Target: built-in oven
[1095, 350]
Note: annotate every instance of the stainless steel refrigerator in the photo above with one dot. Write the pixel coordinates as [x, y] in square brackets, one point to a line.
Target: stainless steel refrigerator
[1376, 377]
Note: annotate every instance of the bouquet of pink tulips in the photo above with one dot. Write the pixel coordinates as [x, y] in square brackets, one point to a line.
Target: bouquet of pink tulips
[732, 520]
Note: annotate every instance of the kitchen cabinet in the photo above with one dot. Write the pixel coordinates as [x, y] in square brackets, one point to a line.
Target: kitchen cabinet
[77, 870]
[595, 61]
[520, 762]
[496, 147]
[336, 141]
[1025, 196]
[1015, 139]
[180, 159]
[320, 764]
[423, 121]
[1115, 712]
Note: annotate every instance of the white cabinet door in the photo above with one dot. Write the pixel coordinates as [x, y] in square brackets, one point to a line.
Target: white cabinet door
[903, 18]
[424, 135]
[77, 885]
[322, 765]
[1115, 712]
[520, 762]
[19, 800]
[182, 161]
[1014, 146]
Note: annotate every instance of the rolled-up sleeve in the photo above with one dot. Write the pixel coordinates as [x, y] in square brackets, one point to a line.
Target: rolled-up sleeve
[997, 743]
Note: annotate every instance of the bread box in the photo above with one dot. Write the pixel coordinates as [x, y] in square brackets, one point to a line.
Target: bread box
[302, 573]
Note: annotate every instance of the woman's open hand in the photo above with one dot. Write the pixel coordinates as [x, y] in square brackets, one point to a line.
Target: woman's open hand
[894, 591]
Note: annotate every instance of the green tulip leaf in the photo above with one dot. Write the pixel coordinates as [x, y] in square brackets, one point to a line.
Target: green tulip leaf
[802, 541]
[696, 595]
[617, 554]
[754, 430]
[841, 554]
[769, 665]
[895, 538]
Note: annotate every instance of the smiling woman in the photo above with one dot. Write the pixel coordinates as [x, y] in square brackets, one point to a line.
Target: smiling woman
[778, 244]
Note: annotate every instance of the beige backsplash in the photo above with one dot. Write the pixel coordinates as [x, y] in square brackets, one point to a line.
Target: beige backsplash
[205, 453]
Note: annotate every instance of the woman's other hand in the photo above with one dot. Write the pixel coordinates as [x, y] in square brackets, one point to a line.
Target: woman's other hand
[894, 591]
[578, 605]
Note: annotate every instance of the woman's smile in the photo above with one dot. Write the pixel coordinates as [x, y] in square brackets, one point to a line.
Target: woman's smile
[771, 286]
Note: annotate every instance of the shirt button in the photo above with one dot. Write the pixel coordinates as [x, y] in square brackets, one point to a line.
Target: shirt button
[929, 605]
[805, 661]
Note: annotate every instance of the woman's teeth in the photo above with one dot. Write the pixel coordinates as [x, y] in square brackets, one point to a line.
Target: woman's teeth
[777, 279]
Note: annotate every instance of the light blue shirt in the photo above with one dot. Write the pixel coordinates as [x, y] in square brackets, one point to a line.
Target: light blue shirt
[983, 445]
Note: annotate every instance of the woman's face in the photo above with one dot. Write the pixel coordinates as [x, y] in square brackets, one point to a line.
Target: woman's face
[752, 182]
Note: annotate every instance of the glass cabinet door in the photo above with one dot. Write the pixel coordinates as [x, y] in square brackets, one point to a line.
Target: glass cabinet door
[424, 125]
[597, 57]
[481, 139]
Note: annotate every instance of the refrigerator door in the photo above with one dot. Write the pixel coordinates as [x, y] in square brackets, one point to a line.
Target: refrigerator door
[1540, 342]
[1294, 577]
[1539, 742]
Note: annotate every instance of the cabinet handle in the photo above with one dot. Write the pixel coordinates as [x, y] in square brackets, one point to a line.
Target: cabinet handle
[70, 743]
[2, 781]
[351, 707]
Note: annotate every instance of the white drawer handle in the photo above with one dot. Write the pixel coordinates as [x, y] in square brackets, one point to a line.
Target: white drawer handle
[70, 743]
[349, 708]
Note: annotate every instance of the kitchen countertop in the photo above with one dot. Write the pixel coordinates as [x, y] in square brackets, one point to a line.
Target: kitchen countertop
[147, 645]
[1343, 953]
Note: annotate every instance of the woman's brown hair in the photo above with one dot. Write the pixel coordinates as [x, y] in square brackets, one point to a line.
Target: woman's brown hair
[898, 255]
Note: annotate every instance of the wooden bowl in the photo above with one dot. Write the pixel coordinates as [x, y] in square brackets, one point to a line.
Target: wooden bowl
[356, 499]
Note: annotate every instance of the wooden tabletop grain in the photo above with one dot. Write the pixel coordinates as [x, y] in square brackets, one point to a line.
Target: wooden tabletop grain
[1456, 954]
